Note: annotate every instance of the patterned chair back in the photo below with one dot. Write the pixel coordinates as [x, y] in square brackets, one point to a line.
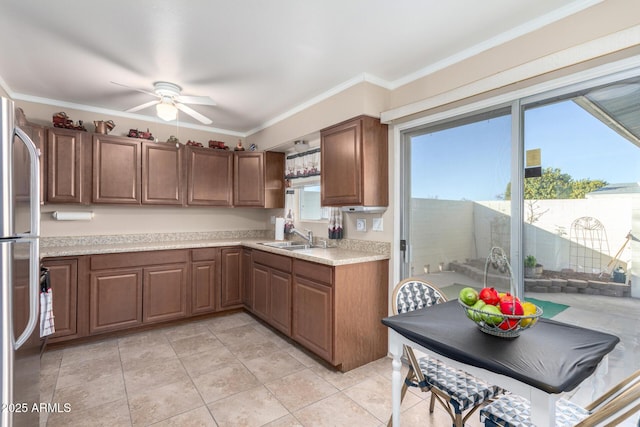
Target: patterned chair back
[413, 294]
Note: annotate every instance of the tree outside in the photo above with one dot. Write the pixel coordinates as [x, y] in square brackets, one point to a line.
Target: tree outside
[553, 184]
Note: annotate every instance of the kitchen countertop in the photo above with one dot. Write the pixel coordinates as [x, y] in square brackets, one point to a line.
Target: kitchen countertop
[332, 256]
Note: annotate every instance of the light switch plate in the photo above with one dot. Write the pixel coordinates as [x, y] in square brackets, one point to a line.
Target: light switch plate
[361, 224]
[376, 224]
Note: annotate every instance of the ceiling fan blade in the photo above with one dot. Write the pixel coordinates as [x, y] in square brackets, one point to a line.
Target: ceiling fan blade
[143, 106]
[197, 100]
[193, 113]
[136, 89]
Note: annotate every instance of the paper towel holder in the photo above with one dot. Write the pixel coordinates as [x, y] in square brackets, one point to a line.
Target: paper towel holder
[72, 216]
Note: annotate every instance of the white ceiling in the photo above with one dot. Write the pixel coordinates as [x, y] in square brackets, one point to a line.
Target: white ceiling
[259, 60]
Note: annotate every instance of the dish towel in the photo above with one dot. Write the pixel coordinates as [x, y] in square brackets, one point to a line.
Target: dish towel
[335, 223]
[46, 314]
[46, 305]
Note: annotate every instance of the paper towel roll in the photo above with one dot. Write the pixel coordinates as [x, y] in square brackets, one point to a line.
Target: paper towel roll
[73, 216]
[279, 228]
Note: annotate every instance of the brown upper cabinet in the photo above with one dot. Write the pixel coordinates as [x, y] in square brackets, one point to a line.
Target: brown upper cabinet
[68, 158]
[258, 179]
[134, 171]
[88, 168]
[354, 168]
[209, 177]
[162, 174]
[116, 169]
[37, 135]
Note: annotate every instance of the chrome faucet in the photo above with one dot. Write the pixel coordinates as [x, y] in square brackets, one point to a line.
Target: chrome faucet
[308, 237]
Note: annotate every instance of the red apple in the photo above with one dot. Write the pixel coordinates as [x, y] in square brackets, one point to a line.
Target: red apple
[508, 324]
[489, 296]
[511, 305]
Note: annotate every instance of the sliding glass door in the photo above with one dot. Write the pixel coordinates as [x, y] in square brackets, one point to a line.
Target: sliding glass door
[554, 183]
[456, 176]
[580, 186]
[552, 179]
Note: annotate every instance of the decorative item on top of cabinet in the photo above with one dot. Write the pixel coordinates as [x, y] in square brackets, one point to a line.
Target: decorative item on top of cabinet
[104, 127]
[354, 165]
[62, 120]
[218, 145]
[135, 133]
[258, 179]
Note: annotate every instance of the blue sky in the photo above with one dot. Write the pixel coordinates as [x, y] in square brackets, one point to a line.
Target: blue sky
[473, 161]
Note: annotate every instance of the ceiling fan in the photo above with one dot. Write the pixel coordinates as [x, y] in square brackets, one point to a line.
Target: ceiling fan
[169, 101]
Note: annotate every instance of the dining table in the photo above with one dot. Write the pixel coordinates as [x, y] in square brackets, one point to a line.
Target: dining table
[544, 361]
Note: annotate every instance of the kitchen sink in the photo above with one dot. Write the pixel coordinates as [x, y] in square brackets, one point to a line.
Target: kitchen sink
[290, 246]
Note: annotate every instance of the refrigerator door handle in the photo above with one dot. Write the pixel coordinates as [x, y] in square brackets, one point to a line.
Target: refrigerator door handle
[33, 239]
[34, 153]
[34, 292]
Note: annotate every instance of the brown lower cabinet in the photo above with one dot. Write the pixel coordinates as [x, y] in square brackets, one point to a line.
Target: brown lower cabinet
[64, 273]
[337, 311]
[115, 300]
[230, 285]
[271, 298]
[130, 289]
[164, 293]
[334, 311]
[313, 308]
[205, 279]
[215, 279]
[247, 283]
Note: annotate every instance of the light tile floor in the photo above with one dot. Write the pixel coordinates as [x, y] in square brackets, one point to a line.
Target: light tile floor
[234, 371]
[224, 371]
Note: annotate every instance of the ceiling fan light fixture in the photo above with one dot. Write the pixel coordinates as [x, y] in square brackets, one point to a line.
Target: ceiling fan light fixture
[167, 111]
[300, 145]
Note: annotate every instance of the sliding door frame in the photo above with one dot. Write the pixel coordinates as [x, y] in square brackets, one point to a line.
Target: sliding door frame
[518, 100]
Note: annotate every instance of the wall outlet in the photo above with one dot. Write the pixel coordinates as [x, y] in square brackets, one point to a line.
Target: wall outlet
[361, 224]
[377, 224]
[273, 219]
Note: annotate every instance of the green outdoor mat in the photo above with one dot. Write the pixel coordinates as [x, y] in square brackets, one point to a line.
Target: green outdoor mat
[549, 309]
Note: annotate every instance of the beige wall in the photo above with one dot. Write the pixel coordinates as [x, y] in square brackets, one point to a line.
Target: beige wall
[140, 220]
[362, 98]
[603, 19]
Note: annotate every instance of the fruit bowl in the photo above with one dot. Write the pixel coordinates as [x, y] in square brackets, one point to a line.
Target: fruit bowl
[499, 324]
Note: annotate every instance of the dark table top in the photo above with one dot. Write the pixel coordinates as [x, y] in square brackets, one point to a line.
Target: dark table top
[552, 356]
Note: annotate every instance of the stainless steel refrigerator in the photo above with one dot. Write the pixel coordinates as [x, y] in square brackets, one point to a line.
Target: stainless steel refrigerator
[19, 271]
